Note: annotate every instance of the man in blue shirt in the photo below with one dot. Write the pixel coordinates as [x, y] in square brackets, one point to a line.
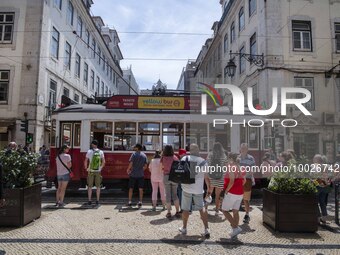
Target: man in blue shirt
[138, 163]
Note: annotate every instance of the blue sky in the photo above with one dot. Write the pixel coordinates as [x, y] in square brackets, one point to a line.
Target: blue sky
[183, 16]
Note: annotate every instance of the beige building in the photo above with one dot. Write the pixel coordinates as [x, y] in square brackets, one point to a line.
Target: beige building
[50, 49]
[300, 42]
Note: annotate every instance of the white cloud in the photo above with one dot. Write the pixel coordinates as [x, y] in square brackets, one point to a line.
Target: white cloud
[181, 16]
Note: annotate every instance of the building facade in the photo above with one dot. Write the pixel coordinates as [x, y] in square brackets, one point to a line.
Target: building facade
[129, 77]
[50, 49]
[187, 80]
[300, 43]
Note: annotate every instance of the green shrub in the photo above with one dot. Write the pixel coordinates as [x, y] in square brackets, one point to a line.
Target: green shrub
[18, 168]
[293, 182]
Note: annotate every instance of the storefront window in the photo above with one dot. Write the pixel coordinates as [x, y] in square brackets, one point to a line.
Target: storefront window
[173, 135]
[124, 136]
[197, 133]
[102, 131]
[149, 134]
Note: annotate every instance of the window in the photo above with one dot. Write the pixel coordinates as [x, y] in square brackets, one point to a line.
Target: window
[80, 27]
[77, 71]
[107, 68]
[110, 92]
[197, 133]
[102, 131]
[110, 73]
[253, 137]
[76, 98]
[53, 94]
[232, 33]
[66, 133]
[66, 92]
[337, 36]
[102, 88]
[256, 100]
[173, 135]
[70, 10]
[252, 7]
[76, 136]
[67, 59]
[307, 83]
[87, 37]
[242, 61]
[302, 36]
[106, 90]
[241, 21]
[57, 3]
[104, 62]
[225, 43]
[253, 45]
[86, 73]
[98, 84]
[92, 80]
[149, 136]
[6, 27]
[55, 43]
[94, 48]
[99, 55]
[219, 133]
[4, 86]
[125, 136]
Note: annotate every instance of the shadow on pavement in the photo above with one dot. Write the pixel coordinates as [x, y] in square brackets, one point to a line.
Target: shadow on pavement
[162, 221]
[181, 241]
[151, 213]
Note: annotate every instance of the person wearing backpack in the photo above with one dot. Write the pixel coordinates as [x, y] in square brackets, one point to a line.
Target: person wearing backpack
[94, 163]
[216, 161]
[194, 192]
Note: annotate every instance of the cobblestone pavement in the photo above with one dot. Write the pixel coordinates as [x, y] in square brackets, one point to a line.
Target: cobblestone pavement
[112, 229]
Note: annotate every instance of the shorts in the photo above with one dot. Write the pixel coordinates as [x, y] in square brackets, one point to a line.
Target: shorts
[231, 201]
[187, 198]
[246, 195]
[94, 177]
[63, 178]
[139, 181]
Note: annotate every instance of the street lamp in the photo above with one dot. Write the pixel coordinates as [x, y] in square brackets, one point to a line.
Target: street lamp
[257, 60]
[329, 73]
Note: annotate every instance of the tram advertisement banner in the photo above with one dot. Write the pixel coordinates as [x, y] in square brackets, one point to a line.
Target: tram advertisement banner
[154, 102]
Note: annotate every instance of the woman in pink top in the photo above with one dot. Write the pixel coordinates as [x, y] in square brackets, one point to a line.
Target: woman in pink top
[64, 164]
[155, 167]
[170, 187]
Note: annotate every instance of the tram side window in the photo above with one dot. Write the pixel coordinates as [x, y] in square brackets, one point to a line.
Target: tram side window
[253, 137]
[219, 133]
[173, 135]
[66, 132]
[102, 131]
[125, 136]
[197, 133]
[76, 136]
[243, 134]
[53, 133]
[149, 135]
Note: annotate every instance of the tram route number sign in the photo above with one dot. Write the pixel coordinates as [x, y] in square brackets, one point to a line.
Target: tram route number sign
[155, 102]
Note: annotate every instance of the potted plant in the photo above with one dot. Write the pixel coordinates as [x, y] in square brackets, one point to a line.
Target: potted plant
[22, 197]
[290, 202]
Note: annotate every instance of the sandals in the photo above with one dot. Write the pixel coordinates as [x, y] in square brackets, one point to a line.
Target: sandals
[168, 215]
[178, 215]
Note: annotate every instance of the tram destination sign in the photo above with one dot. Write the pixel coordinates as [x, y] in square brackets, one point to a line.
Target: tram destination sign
[155, 102]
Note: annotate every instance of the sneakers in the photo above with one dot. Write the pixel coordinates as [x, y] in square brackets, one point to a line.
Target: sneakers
[129, 204]
[89, 203]
[97, 203]
[153, 208]
[139, 205]
[61, 205]
[246, 218]
[235, 232]
[182, 230]
[206, 233]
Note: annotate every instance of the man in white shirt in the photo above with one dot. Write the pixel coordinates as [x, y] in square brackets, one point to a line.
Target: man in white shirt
[195, 192]
[94, 163]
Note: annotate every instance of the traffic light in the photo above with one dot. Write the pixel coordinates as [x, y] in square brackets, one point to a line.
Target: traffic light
[29, 138]
[24, 126]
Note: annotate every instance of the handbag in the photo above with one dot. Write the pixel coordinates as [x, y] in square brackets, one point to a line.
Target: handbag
[69, 170]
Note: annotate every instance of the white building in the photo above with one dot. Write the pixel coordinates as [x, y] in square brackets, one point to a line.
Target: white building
[300, 41]
[50, 48]
[187, 79]
[129, 77]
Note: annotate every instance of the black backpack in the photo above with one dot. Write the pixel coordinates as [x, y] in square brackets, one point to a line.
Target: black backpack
[183, 171]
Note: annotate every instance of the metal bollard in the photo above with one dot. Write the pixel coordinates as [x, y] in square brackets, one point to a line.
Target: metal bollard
[337, 197]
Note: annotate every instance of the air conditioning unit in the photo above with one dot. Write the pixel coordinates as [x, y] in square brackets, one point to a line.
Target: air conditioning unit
[328, 118]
